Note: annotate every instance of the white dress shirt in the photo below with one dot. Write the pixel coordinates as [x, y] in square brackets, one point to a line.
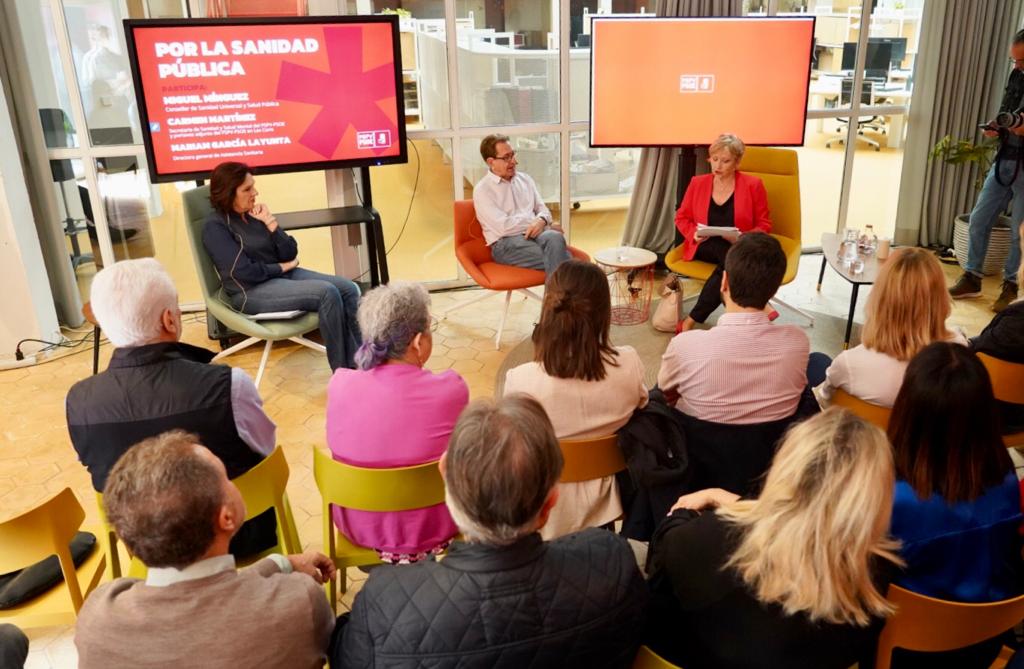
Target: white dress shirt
[161, 577]
[507, 207]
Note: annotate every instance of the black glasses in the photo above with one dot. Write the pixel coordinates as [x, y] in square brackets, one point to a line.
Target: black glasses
[507, 157]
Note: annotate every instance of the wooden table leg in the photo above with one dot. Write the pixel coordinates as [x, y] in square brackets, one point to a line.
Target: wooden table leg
[821, 274]
[849, 320]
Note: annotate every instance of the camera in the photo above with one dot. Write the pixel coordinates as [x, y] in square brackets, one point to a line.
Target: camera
[1009, 120]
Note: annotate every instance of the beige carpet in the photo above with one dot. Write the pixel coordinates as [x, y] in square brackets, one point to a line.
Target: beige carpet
[826, 336]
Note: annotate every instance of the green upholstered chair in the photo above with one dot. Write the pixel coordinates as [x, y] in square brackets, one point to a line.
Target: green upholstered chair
[197, 208]
[780, 172]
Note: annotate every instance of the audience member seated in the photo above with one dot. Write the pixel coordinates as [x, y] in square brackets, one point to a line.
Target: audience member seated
[13, 647]
[724, 198]
[172, 504]
[906, 311]
[155, 383]
[794, 578]
[517, 224]
[258, 263]
[504, 598]
[362, 429]
[588, 387]
[1003, 338]
[745, 369]
[957, 508]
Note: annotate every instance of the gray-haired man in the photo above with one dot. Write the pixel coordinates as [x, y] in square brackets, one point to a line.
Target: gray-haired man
[503, 598]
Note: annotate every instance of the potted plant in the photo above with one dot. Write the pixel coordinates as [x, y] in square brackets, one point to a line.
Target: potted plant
[966, 152]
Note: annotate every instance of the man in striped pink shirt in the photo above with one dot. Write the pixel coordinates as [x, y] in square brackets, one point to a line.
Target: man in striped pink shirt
[745, 369]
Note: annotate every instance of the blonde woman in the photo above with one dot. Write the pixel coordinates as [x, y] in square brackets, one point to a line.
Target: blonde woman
[792, 579]
[907, 310]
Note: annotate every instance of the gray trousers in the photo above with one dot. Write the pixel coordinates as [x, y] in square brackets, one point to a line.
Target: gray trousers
[13, 647]
[546, 251]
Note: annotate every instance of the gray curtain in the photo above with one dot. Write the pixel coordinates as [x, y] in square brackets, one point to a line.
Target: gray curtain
[38, 178]
[959, 80]
[653, 203]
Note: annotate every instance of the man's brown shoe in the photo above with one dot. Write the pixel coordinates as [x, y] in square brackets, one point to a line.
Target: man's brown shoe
[1007, 295]
[967, 286]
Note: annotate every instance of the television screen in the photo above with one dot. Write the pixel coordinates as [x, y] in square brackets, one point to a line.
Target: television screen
[878, 57]
[678, 81]
[283, 95]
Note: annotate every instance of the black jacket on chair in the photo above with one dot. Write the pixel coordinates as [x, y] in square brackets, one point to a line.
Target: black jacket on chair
[577, 601]
[732, 457]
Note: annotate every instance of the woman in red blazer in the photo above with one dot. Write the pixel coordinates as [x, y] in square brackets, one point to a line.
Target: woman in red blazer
[724, 198]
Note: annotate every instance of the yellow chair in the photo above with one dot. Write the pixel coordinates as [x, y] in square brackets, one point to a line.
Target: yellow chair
[872, 413]
[648, 659]
[395, 489]
[587, 459]
[779, 169]
[1008, 386]
[926, 624]
[36, 535]
[262, 488]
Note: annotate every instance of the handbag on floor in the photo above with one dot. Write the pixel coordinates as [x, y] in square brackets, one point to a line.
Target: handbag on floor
[669, 312]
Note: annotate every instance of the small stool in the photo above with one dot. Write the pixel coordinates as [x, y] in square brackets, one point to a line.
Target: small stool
[89, 316]
[631, 284]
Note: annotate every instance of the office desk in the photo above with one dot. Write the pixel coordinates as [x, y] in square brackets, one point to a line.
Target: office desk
[829, 88]
[368, 217]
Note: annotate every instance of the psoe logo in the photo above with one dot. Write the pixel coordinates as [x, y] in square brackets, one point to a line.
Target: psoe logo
[373, 139]
[696, 83]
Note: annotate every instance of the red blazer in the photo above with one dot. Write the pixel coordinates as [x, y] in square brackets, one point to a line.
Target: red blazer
[750, 207]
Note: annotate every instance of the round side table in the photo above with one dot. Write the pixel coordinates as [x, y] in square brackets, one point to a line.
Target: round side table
[631, 282]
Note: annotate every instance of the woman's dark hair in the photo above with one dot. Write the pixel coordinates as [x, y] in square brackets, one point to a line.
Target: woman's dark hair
[224, 182]
[945, 426]
[571, 340]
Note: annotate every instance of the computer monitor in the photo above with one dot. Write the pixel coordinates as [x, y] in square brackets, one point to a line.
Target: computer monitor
[879, 55]
[899, 48]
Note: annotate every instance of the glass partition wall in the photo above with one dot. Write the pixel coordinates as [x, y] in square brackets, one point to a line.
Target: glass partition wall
[519, 67]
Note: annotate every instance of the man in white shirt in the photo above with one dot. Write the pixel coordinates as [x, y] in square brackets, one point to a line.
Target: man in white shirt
[516, 223]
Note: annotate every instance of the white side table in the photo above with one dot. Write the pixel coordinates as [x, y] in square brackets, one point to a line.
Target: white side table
[631, 283]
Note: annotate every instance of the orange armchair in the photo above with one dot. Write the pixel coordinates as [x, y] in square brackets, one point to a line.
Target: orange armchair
[475, 257]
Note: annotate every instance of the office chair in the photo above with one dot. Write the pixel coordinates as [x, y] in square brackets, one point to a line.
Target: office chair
[867, 97]
[56, 127]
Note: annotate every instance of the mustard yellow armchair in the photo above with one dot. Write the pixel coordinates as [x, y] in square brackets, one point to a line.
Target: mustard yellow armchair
[780, 172]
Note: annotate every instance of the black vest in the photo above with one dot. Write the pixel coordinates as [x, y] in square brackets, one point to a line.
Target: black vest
[147, 390]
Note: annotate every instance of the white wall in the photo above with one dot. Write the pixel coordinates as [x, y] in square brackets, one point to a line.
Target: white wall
[26, 306]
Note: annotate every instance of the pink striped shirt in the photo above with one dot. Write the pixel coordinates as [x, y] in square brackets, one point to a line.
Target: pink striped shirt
[744, 370]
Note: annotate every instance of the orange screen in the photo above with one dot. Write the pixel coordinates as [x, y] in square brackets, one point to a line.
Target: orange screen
[667, 81]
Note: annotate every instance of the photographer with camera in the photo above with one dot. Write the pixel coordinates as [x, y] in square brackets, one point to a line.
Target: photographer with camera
[1004, 183]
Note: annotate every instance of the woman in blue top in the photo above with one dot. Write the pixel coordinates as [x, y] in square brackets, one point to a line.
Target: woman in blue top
[258, 263]
[957, 505]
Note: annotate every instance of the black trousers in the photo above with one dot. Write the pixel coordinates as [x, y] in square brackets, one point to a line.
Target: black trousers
[711, 250]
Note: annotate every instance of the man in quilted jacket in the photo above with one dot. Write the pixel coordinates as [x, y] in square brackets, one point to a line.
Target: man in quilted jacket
[503, 598]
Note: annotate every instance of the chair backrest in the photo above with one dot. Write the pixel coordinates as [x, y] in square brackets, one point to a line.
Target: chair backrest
[648, 659]
[469, 236]
[779, 169]
[588, 459]
[872, 413]
[197, 208]
[264, 487]
[1007, 378]
[926, 624]
[364, 489]
[41, 532]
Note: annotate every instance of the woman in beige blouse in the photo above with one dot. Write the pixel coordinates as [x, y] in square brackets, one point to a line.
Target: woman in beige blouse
[588, 387]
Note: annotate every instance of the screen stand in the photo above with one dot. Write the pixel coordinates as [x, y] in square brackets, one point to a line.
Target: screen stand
[687, 170]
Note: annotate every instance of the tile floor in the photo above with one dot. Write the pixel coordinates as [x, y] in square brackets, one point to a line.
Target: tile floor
[36, 458]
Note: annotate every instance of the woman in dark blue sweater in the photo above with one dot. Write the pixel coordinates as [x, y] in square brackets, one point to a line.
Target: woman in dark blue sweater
[259, 268]
[956, 508]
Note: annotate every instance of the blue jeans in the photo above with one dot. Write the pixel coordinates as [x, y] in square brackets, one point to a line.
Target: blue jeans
[991, 202]
[335, 300]
[546, 251]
